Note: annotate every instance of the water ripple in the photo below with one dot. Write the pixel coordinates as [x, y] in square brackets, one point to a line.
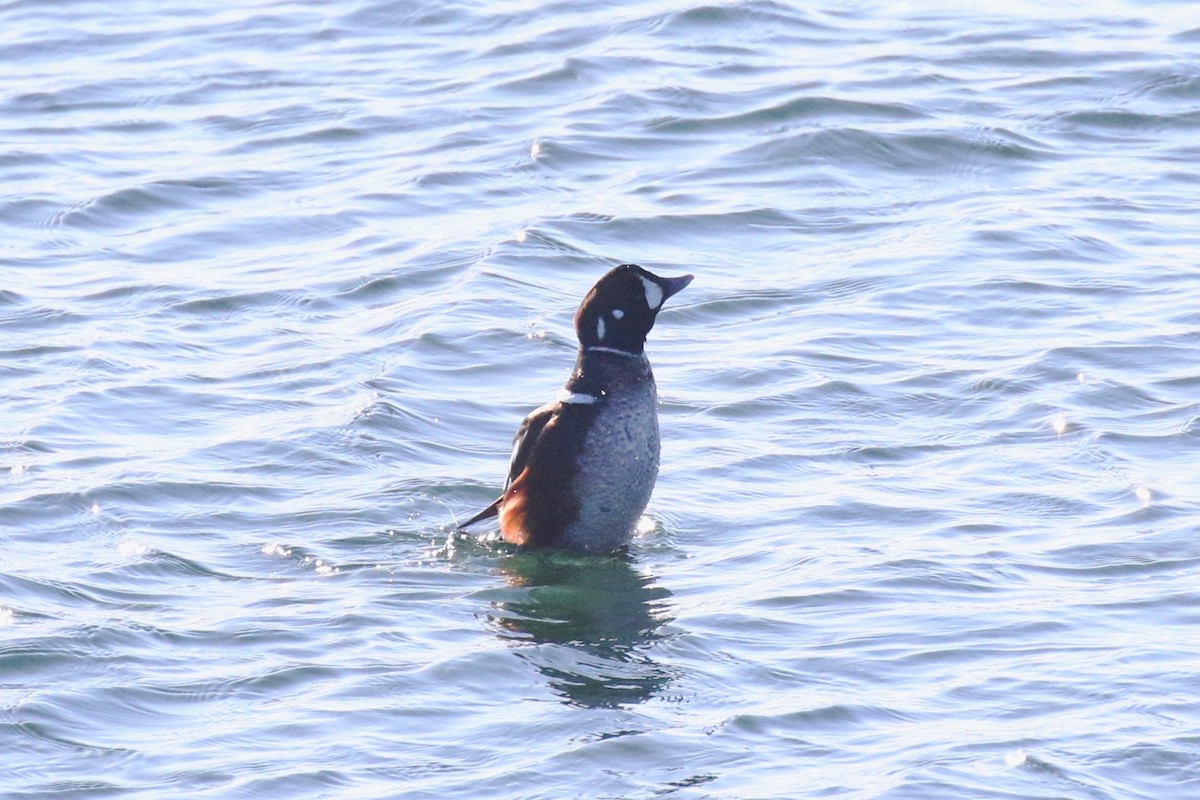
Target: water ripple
[280, 282]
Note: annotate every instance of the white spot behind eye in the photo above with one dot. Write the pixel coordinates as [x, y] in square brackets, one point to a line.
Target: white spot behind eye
[600, 329]
[654, 293]
[617, 313]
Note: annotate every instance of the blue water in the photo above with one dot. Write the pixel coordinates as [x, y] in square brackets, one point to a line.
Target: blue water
[279, 280]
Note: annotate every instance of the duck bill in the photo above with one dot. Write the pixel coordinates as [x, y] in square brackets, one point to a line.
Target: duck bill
[672, 286]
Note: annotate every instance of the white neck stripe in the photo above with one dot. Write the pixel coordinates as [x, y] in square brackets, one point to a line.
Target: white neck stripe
[613, 350]
[575, 398]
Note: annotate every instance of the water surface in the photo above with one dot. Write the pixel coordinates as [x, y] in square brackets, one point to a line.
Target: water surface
[278, 282]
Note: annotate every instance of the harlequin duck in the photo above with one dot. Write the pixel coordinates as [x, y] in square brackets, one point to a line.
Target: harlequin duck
[583, 465]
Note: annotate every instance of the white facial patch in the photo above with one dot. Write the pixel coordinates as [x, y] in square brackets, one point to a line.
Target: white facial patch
[654, 293]
[600, 329]
[618, 313]
[574, 398]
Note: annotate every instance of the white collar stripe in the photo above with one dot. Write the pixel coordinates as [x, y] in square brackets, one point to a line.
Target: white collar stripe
[613, 350]
[575, 398]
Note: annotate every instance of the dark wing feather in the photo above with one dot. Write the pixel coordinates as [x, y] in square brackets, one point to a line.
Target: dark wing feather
[526, 439]
[487, 513]
[540, 504]
[523, 443]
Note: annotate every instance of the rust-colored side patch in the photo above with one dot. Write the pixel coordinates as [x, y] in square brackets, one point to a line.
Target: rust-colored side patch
[512, 512]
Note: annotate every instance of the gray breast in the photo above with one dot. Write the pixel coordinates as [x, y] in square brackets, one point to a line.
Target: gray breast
[618, 464]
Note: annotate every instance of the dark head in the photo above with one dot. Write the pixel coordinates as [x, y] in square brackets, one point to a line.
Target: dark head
[620, 309]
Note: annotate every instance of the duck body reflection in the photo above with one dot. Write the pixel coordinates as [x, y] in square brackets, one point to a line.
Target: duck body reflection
[586, 623]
